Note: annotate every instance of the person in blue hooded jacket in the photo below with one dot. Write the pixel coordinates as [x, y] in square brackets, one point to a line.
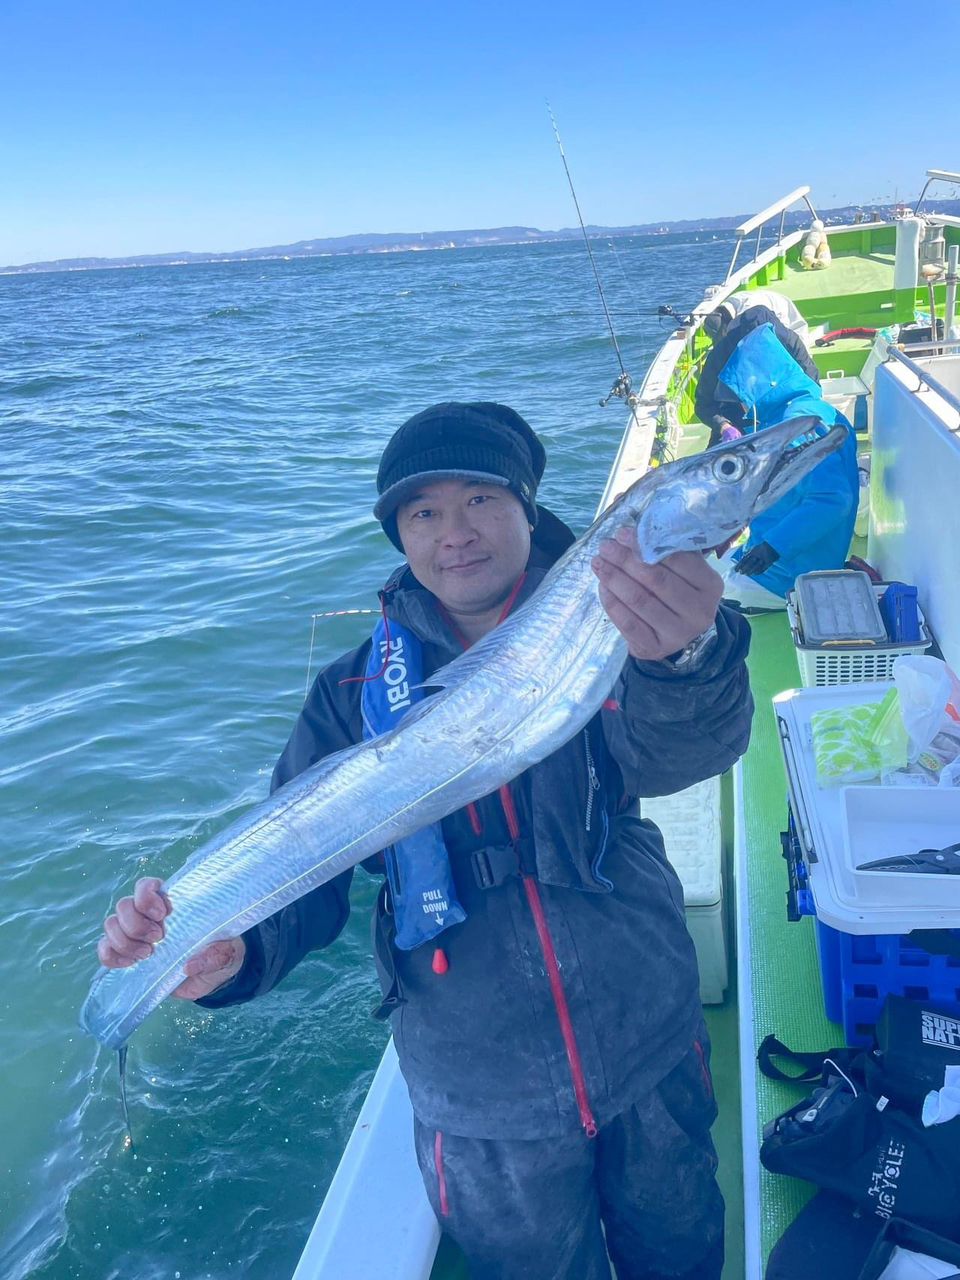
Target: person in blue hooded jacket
[811, 527]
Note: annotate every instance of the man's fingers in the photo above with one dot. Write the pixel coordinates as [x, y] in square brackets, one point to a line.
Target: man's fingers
[192, 989]
[689, 586]
[213, 967]
[219, 955]
[125, 946]
[641, 638]
[690, 566]
[656, 591]
[694, 569]
[150, 900]
[137, 925]
[656, 613]
[112, 959]
[660, 578]
[658, 608]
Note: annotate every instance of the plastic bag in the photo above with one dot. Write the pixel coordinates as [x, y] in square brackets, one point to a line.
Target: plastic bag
[929, 694]
[910, 738]
[925, 685]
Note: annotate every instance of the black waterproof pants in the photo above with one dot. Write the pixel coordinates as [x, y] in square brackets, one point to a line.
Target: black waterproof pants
[532, 1210]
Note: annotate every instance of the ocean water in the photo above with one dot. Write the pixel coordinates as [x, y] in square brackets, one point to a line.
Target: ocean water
[187, 473]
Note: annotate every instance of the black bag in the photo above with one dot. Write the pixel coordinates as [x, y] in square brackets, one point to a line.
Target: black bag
[876, 1155]
[914, 1044]
[918, 333]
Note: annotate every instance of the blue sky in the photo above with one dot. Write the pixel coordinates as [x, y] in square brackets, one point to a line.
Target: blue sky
[135, 128]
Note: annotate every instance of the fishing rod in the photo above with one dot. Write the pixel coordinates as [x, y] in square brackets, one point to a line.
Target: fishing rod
[621, 389]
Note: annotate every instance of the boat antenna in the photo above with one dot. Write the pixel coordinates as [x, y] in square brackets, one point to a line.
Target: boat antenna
[621, 388]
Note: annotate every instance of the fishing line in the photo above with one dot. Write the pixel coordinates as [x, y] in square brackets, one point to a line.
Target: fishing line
[624, 376]
[331, 613]
[122, 1067]
[613, 249]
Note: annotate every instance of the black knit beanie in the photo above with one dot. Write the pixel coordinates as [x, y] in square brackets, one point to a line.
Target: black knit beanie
[477, 441]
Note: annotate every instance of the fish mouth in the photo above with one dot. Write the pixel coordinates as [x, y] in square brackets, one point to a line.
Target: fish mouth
[808, 437]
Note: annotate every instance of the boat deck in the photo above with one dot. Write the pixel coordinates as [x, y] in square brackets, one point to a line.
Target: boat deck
[779, 957]
[725, 1067]
[847, 276]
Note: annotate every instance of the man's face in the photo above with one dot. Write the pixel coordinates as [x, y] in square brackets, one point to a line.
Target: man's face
[466, 541]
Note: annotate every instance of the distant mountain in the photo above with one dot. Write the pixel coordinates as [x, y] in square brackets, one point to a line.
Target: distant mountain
[403, 241]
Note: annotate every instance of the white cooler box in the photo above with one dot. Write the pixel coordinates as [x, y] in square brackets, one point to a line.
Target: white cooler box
[690, 822]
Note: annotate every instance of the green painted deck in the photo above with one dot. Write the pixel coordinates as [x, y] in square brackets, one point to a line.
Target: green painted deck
[725, 1068]
[848, 274]
[855, 289]
[787, 995]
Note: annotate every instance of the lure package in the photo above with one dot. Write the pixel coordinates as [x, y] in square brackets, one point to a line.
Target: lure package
[857, 744]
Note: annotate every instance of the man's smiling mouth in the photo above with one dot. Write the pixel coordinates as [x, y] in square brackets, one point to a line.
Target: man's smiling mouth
[465, 564]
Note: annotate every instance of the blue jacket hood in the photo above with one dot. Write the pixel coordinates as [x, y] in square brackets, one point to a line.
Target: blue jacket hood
[763, 375]
[811, 526]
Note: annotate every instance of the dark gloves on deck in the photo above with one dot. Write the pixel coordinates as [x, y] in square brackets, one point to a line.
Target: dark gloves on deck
[757, 560]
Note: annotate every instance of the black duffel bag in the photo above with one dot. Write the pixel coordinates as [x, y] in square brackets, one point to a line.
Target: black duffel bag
[877, 1156]
[914, 1043]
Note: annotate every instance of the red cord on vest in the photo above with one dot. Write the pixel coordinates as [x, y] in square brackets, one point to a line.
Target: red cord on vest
[440, 963]
[386, 652]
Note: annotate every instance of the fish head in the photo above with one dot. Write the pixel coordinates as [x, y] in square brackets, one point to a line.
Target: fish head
[700, 502]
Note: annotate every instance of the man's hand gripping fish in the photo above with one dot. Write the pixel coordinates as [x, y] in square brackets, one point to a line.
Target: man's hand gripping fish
[515, 697]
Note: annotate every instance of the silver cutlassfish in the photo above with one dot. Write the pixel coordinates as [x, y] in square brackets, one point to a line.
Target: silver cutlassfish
[516, 696]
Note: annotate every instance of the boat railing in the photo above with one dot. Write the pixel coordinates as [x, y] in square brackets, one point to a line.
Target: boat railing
[937, 175]
[932, 347]
[760, 220]
[924, 377]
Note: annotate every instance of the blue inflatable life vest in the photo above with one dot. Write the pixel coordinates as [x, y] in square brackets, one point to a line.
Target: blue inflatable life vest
[418, 868]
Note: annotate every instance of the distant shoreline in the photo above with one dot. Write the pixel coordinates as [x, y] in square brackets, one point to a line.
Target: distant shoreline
[253, 255]
[291, 253]
[420, 242]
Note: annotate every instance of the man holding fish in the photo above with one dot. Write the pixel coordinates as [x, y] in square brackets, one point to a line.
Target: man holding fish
[531, 945]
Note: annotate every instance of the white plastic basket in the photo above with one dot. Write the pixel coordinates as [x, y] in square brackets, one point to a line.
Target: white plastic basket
[824, 665]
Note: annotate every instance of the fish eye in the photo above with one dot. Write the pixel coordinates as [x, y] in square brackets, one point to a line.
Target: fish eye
[729, 467]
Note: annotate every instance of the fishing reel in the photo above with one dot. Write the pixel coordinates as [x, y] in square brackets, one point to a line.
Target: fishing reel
[621, 390]
[667, 312]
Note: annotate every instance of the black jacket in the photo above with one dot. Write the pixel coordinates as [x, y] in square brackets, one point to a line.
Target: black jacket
[480, 1045]
[712, 403]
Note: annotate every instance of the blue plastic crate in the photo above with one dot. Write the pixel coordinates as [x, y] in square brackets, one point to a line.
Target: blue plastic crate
[859, 971]
[898, 608]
